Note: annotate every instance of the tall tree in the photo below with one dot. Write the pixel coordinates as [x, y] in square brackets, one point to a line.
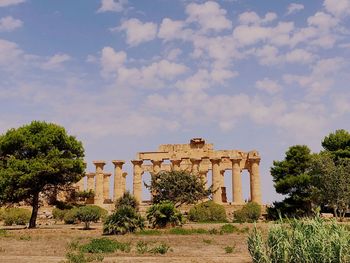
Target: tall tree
[332, 182]
[178, 187]
[37, 157]
[291, 178]
[338, 144]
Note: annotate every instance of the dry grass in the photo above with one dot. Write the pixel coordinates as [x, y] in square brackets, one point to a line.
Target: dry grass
[50, 245]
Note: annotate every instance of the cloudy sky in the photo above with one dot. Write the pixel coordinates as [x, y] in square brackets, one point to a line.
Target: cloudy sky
[126, 75]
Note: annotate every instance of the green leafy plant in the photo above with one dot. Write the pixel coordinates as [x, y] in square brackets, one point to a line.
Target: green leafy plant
[58, 214]
[18, 216]
[164, 214]
[250, 212]
[104, 245]
[314, 241]
[142, 247]
[88, 214]
[207, 212]
[161, 249]
[127, 200]
[70, 216]
[124, 220]
[229, 249]
[184, 231]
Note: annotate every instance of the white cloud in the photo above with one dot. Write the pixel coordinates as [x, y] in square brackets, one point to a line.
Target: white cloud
[9, 23]
[171, 29]
[248, 18]
[56, 61]
[10, 53]
[321, 78]
[294, 7]
[209, 16]
[268, 85]
[138, 32]
[10, 2]
[112, 6]
[338, 8]
[111, 60]
[323, 21]
[299, 56]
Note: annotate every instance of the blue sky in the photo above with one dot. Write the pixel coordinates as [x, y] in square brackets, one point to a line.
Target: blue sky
[125, 76]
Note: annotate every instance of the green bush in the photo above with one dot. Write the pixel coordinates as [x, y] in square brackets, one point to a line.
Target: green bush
[229, 249]
[88, 214]
[313, 241]
[124, 220]
[184, 231]
[250, 212]
[164, 214]
[207, 212]
[15, 215]
[161, 249]
[104, 245]
[70, 217]
[58, 214]
[126, 200]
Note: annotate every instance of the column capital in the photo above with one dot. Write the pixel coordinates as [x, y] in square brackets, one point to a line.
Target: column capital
[195, 160]
[137, 162]
[215, 160]
[236, 160]
[156, 161]
[107, 174]
[99, 163]
[118, 162]
[254, 160]
[124, 174]
[90, 175]
[176, 161]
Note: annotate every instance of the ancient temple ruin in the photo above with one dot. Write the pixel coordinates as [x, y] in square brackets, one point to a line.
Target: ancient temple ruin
[197, 157]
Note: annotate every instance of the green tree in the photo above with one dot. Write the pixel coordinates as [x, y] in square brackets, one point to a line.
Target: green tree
[35, 158]
[291, 177]
[88, 214]
[164, 214]
[332, 183]
[178, 187]
[338, 144]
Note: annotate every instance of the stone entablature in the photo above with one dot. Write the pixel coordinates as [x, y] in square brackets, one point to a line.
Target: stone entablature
[197, 157]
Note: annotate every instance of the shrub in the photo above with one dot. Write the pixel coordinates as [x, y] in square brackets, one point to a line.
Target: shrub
[250, 212]
[124, 220]
[301, 241]
[88, 214]
[229, 249]
[126, 200]
[18, 216]
[70, 217]
[164, 214]
[161, 249]
[184, 231]
[228, 229]
[142, 247]
[58, 214]
[207, 212]
[104, 245]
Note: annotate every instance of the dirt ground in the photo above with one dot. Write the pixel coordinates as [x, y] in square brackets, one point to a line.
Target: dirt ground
[49, 244]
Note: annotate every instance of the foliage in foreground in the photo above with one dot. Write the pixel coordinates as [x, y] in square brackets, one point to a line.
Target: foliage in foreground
[312, 241]
[207, 212]
[164, 214]
[179, 187]
[250, 212]
[88, 214]
[127, 200]
[124, 220]
[15, 215]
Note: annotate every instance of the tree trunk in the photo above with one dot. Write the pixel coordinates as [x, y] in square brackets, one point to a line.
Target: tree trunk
[35, 205]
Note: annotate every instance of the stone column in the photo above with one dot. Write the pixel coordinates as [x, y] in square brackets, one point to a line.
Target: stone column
[216, 179]
[99, 198]
[157, 164]
[237, 197]
[91, 181]
[255, 190]
[137, 184]
[184, 164]
[203, 171]
[176, 164]
[106, 177]
[195, 165]
[119, 179]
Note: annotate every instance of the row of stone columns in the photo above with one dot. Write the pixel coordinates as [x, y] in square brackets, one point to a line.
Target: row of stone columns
[217, 177]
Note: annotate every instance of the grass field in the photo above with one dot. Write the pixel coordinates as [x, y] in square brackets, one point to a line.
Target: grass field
[51, 244]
